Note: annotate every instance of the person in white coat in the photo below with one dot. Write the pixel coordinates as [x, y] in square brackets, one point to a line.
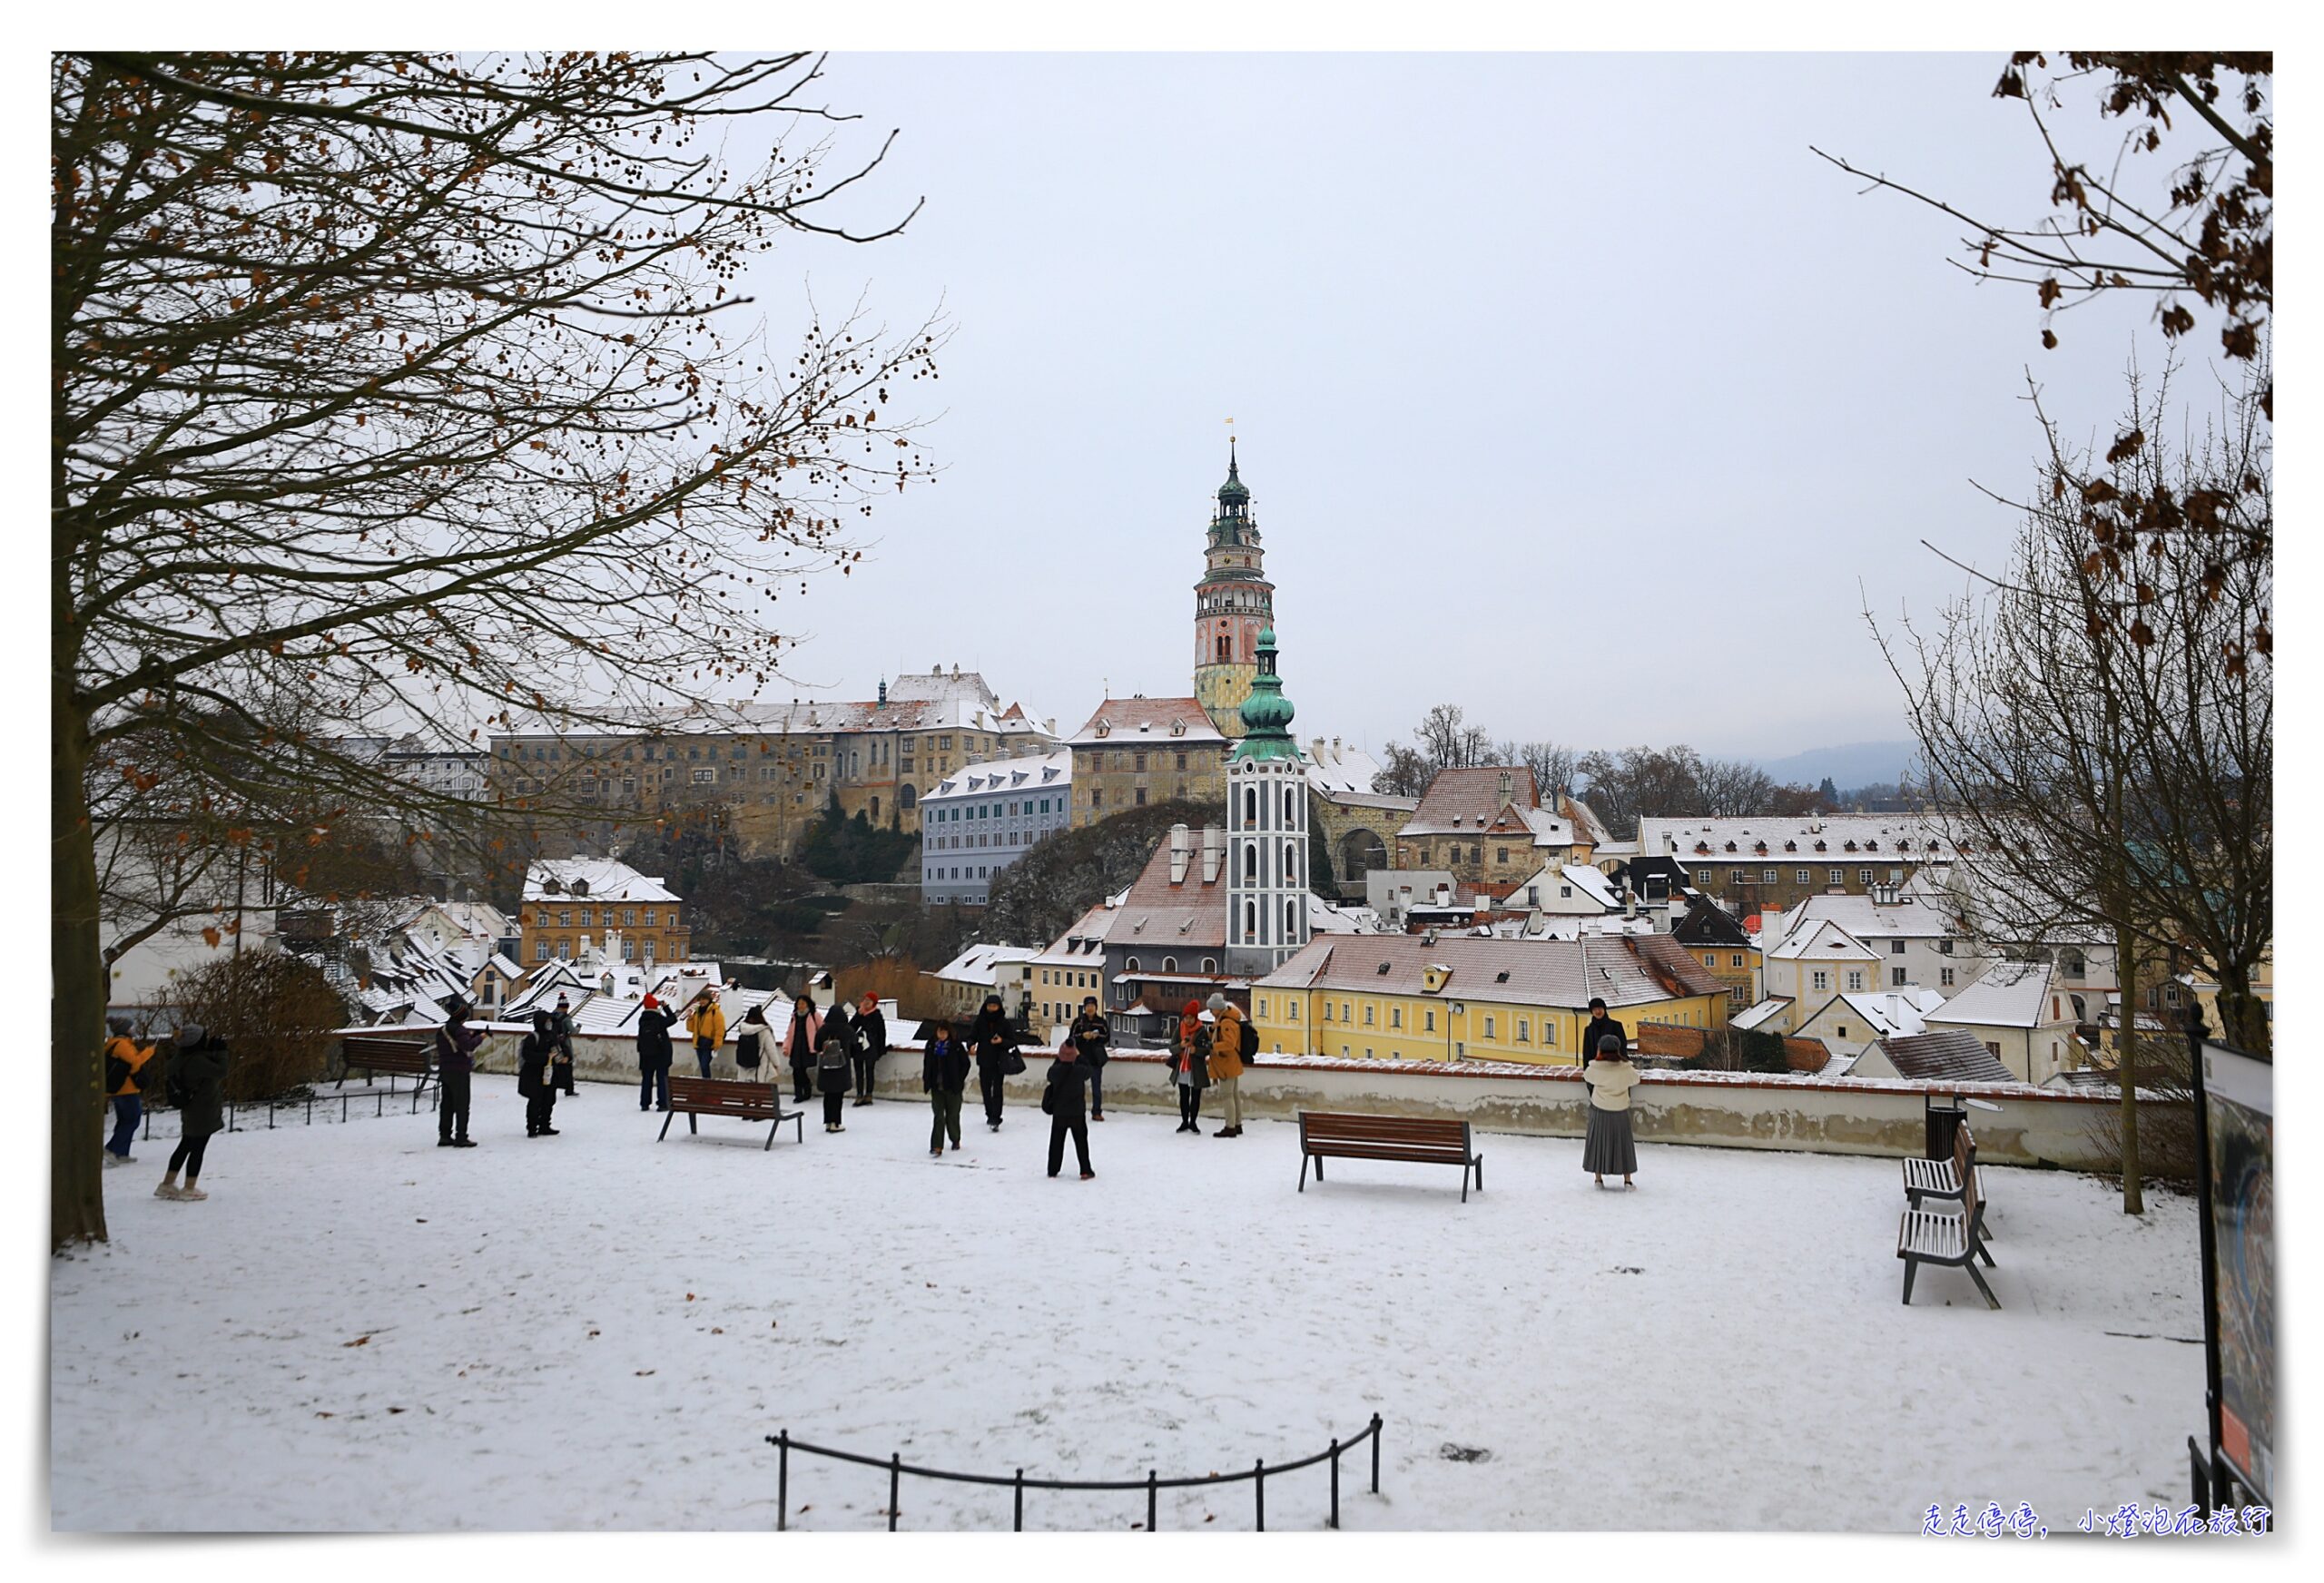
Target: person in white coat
[1609, 1145]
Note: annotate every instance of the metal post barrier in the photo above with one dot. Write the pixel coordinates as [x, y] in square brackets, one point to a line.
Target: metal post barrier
[782, 1482]
[895, 1479]
[310, 1108]
[343, 1108]
[1149, 1500]
[1336, 1482]
[270, 1116]
[1259, 1483]
[1376, 1453]
[1018, 1525]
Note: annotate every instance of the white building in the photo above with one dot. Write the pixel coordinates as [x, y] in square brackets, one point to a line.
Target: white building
[977, 821]
[1266, 830]
[1914, 930]
[2021, 1012]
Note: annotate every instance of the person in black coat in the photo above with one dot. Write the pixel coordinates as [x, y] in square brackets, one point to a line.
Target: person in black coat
[944, 1076]
[994, 1043]
[1090, 1035]
[872, 1043]
[535, 1081]
[800, 1046]
[560, 1060]
[654, 1055]
[1600, 1027]
[834, 1064]
[1063, 1097]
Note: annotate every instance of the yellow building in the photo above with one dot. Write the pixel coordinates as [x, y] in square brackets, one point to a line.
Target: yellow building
[573, 905]
[1136, 751]
[1465, 998]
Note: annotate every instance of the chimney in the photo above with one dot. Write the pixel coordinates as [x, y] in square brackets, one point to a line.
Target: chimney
[1213, 853]
[1177, 854]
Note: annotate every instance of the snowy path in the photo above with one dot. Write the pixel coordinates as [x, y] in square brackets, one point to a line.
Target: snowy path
[595, 1331]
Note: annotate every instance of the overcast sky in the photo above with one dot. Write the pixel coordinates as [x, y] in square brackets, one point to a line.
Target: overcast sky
[1574, 389]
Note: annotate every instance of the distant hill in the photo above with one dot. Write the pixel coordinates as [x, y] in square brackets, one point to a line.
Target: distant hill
[1850, 765]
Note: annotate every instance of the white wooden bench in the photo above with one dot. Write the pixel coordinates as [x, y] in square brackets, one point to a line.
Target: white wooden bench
[1943, 1236]
[1942, 1178]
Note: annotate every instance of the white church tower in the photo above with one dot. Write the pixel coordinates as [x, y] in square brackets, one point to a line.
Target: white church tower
[1267, 830]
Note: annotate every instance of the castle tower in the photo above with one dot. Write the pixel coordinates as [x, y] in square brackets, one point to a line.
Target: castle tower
[1233, 602]
[1266, 828]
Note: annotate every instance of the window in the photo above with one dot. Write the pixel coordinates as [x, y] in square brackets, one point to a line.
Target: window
[1367, 1016]
[1897, 977]
[1396, 1016]
[541, 951]
[1864, 876]
[1489, 1033]
[584, 917]
[1856, 979]
[1522, 1031]
[1292, 1011]
[1766, 876]
[1710, 958]
[1735, 960]
[1802, 878]
[1140, 796]
[1170, 964]
[1500, 854]
[1819, 979]
[1944, 978]
[1428, 1021]
[1182, 760]
[1896, 876]
[564, 919]
[1836, 876]
[1994, 1049]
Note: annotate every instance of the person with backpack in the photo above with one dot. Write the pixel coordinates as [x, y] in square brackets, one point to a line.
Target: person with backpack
[944, 1075]
[994, 1042]
[1227, 1047]
[1089, 1035]
[800, 1044]
[753, 1043]
[196, 1083]
[536, 1083]
[1190, 1064]
[125, 1061]
[833, 1063]
[560, 1027]
[706, 1020]
[872, 1043]
[1063, 1098]
[456, 1047]
[654, 1054]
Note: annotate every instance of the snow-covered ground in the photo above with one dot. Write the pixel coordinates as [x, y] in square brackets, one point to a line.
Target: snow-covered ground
[360, 1330]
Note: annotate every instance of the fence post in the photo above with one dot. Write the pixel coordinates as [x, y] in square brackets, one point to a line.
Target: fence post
[1020, 1525]
[1376, 1453]
[895, 1479]
[1336, 1481]
[310, 1108]
[783, 1480]
[1149, 1500]
[270, 1116]
[1260, 1484]
[342, 1109]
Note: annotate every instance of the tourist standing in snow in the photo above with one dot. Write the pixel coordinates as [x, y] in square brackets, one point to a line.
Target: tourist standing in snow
[944, 1075]
[800, 1044]
[707, 1022]
[995, 1045]
[125, 1061]
[455, 1044]
[1226, 1062]
[834, 1064]
[1089, 1034]
[753, 1043]
[1601, 1029]
[1062, 1096]
[560, 1066]
[1609, 1145]
[872, 1042]
[197, 1087]
[536, 1083]
[1190, 1064]
[654, 1054]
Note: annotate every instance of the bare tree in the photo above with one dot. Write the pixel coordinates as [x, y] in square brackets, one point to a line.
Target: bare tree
[2103, 738]
[1639, 780]
[391, 389]
[1404, 772]
[1734, 788]
[1553, 763]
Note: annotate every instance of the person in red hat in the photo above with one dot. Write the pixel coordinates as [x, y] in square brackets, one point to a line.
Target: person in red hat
[654, 1020]
[1190, 1064]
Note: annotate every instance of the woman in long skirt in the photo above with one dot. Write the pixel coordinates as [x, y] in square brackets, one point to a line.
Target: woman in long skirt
[1608, 1145]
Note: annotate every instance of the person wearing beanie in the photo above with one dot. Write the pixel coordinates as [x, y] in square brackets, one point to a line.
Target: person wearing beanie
[125, 1061]
[197, 1066]
[1190, 1063]
[535, 1083]
[801, 1045]
[654, 1054]
[1062, 1097]
[1090, 1035]
[560, 1027]
[456, 1047]
[870, 1042]
[1608, 1144]
[1226, 1062]
[993, 1041]
[1600, 1027]
[834, 1065]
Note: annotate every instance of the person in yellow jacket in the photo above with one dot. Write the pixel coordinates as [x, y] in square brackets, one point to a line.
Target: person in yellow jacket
[125, 1061]
[707, 1023]
[1226, 1062]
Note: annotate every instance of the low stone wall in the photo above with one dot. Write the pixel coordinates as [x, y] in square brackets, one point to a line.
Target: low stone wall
[1862, 1115]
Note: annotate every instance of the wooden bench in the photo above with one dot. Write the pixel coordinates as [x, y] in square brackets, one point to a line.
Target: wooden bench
[1942, 1178]
[376, 1053]
[693, 1096]
[1350, 1136]
[1939, 1237]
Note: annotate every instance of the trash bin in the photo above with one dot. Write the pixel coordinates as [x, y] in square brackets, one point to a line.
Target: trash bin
[1944, 1121]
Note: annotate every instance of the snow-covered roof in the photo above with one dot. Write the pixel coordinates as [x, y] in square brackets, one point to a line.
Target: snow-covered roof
[1915, 914]
[980, 964]
[1119, 720]
[1825, 942]
[591, 880]
[1885, 1013]
[1626, 972]
[1032, 772]
[1335, 767]
[1866, 837]
[1762, 1012]
[2006, 995]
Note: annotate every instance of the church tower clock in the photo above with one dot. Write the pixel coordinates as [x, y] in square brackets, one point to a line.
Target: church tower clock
[1234, 604]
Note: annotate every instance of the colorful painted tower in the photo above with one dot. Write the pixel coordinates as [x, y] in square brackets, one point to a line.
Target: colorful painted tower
[1266, 828]
[1233, 602]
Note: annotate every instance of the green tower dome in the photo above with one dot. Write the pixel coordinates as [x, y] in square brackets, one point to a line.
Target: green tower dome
[1266, 712]
[1233, 492]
